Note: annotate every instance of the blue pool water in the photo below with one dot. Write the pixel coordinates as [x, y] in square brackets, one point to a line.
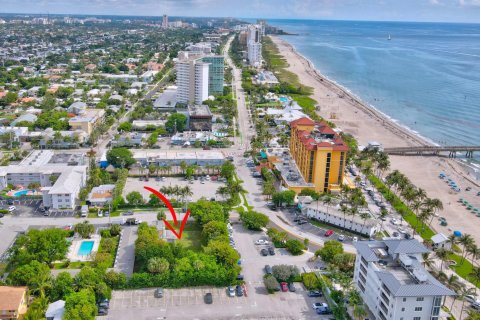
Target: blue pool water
[21, 193]
[283, 99]
[85, 248]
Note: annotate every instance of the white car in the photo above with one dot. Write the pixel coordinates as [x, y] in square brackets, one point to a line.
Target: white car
[341, 237]
[12, 208]
[394, 221]
[355, 239]
[261, 242]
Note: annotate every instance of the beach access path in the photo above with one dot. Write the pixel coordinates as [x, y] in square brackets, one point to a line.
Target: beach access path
[366, 124]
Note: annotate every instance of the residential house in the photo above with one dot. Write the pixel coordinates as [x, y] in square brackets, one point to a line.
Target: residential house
[101, 195]
[13, 302]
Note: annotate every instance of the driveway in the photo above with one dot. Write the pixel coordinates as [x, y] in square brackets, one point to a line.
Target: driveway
[125, 258]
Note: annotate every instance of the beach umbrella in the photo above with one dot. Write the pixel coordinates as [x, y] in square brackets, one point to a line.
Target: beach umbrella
[457, 233]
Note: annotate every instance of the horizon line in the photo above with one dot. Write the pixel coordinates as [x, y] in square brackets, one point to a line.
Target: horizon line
[231, 17]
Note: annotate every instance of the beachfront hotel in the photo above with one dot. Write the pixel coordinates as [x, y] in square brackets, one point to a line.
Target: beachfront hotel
[319, 153]
[392, 281]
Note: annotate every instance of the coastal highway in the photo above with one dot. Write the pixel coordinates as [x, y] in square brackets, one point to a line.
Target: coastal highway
[254, 195]
[243, 139]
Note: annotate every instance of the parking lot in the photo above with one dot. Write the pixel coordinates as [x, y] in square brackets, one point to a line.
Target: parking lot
[188, 303]
[31, 208]
[207, 189]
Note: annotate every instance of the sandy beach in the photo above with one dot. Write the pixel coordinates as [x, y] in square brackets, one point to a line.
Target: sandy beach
[353, 116]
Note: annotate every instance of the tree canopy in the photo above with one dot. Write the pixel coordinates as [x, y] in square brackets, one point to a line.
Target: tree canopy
[254, 220]
[176, 122]
[205, 211]
[120, 157]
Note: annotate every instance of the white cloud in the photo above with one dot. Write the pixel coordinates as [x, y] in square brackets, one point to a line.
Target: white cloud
[469, 3]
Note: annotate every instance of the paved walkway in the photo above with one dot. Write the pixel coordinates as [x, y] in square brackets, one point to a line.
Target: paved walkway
[125, 258]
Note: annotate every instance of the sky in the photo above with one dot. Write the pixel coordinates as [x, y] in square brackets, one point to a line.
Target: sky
[389, 10]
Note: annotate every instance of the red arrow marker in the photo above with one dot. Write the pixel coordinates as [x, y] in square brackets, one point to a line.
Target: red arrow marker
[172, 211]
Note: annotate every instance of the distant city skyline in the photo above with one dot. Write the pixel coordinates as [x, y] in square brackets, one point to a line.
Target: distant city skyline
[382, 10]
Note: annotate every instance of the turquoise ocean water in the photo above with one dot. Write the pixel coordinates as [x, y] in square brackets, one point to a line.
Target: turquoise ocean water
[427, 77]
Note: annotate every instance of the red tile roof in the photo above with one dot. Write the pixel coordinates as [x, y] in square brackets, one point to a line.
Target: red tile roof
[308, 140]
[302, 121]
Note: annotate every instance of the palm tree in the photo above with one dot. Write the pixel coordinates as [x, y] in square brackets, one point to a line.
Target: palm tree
[364, 216]
[428, 260]
[474, 251]
[327, 200]
[442, 254]
[344, 210]
[475, 276]
[359, 311]
[160, 216]
[465, 240]
[452, 239]
[463, 293]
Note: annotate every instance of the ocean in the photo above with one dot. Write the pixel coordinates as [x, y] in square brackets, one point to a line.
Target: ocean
[427, 77]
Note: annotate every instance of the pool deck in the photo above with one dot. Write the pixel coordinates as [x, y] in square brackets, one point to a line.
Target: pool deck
[75, 246]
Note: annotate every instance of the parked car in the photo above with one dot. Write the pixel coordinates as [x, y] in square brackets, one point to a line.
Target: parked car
[208, 298]
[408, 236]
[239, 290]
[102, 312]
[158, 293]
[319, 305]
[341, 237]
[10, 202]
[12, 208]
[264, 252]
[284, 286]
[268, 269]
[132, 221]
[315, 293]
[231, 291]
[240, 277]
[261, 242]
[128, 213]
[271, 251]
[328, 233]
[355, 239]
[1, 215]
[291, 287]
[105, 304]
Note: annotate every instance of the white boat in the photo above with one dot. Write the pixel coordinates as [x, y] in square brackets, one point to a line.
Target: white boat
[389, 37]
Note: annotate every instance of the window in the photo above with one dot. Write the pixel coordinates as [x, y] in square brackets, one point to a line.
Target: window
[404, 299]
[403, 309]
[417, 318]
[420, 298]
[418, 308]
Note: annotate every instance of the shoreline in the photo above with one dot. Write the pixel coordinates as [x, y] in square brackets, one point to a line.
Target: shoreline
[387, 121]
[366, 123]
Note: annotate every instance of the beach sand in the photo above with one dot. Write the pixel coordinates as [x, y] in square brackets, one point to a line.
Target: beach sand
[351, 115]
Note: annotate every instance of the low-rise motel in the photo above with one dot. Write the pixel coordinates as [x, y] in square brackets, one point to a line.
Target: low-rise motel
[317, 158]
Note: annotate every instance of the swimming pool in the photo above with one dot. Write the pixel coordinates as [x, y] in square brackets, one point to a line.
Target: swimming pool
[283, 99]
[85, 248]
[22, 193]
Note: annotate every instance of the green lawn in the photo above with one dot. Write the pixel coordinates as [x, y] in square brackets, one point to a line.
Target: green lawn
[463, 269]
[191, 236]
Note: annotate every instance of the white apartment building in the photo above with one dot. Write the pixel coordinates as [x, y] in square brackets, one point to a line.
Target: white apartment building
[335, 217]
[59, 192]
[393, 283]
[192, 79]
[254, 45]
[254, 54]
